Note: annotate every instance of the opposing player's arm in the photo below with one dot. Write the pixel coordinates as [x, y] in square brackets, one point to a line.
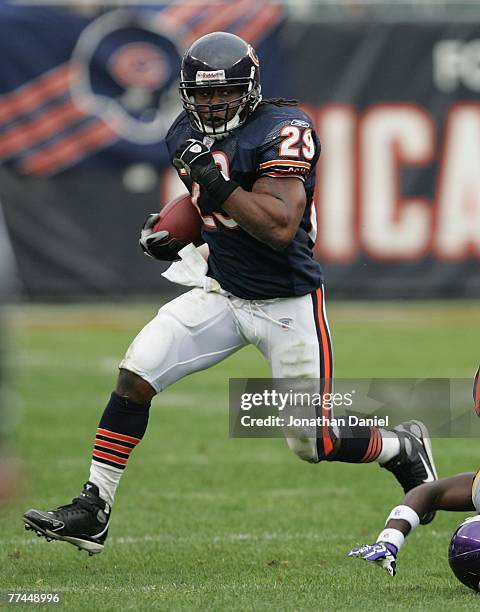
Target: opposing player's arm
[451, 494]
[271, 212]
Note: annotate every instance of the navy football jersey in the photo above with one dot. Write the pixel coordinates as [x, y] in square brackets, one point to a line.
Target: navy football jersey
[275, 141]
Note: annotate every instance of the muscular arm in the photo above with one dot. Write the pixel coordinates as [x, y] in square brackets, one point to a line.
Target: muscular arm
[453, 494]
[271, 212]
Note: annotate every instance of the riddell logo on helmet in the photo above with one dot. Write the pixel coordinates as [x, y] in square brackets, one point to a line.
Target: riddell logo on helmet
[203, 76]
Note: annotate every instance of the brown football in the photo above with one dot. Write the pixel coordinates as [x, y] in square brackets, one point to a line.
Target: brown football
[181, 219]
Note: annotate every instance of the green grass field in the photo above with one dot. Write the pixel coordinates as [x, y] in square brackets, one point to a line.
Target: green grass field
[205, 522]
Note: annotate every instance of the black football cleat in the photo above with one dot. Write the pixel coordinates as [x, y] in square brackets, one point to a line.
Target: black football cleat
[83, 523]
[414, 464]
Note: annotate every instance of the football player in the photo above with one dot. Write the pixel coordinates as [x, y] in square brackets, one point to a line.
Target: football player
[249, 165]
[460, 493]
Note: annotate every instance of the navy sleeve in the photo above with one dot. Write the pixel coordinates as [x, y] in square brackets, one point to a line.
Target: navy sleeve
[291, 148]
[176, 134]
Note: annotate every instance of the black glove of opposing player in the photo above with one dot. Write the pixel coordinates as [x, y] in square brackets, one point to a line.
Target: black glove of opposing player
[195, 158]
[158, 245]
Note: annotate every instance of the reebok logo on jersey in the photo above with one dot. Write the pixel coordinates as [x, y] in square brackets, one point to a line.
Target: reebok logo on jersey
[300, 123]
[208, 76]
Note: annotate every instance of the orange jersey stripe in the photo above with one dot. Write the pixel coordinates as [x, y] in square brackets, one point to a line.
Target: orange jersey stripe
[284, 175]
[285, 162]
[117, 436]
[28, 97]
[113, 458]
[118, 447]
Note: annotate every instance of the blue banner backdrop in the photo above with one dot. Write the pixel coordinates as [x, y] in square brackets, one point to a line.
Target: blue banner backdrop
[85, 105]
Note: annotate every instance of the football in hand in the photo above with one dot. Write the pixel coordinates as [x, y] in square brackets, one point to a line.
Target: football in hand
[181, 219]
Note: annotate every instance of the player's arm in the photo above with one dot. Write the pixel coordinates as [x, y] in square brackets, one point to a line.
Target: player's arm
[452, 494]
[271, 212]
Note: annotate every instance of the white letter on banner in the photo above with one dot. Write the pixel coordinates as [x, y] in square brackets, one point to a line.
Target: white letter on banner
[458, 198]
[446, 64]
[393, 227]
[335, 196]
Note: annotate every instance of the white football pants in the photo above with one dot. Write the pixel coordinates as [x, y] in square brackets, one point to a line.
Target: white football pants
[198, 329]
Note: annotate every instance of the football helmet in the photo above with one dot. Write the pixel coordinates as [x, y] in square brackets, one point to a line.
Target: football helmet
[464, 553]
[219, 60]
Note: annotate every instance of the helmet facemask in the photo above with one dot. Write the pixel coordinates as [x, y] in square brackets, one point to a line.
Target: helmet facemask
[213, 119]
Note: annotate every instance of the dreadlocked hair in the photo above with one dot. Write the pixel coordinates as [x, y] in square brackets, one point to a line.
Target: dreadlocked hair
[279, 101]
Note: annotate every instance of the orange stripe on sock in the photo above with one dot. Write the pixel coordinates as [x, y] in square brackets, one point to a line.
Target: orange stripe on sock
[366, 456]
[118, 447]
[379, 445]
[374, 446]
[117, 436]
[114, 458]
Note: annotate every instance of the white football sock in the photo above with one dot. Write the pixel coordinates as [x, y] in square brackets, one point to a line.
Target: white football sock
[390, 446]
[106, 478]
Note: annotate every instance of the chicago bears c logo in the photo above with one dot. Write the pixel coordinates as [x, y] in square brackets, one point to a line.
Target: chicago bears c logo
[253, 55]
[140, 65]
[125, 71]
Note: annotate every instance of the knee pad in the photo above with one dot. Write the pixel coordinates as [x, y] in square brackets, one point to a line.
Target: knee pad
[296, 360]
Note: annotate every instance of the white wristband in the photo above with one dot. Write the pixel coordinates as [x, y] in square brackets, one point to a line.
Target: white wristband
[392, 536]
[405, 513]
